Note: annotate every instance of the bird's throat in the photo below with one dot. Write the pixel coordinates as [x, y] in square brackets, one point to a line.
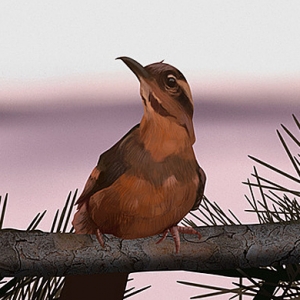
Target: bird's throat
[163, 137]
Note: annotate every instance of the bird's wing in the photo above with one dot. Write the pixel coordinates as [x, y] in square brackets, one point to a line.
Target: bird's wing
[89, 187]
[110, 167]
[200, 191]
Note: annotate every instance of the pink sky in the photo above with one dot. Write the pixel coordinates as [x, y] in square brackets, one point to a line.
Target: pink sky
[111, 87]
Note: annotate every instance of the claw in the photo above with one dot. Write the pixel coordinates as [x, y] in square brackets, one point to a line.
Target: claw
[188, 230]
[163, 237]
[175, 230]
[99, 237]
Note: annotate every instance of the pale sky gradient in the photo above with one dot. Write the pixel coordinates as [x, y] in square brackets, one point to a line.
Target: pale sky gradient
[57, 48]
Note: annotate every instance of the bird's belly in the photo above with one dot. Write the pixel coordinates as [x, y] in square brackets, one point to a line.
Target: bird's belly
[133, 207]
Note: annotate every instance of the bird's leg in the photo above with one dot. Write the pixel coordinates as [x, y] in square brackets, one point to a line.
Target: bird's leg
[163, 237]
[175, 234]
[99, 237]
[188, 230]
[175, 230]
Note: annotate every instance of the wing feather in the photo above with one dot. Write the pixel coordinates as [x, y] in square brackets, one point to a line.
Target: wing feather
[111, 165]
[201, 186]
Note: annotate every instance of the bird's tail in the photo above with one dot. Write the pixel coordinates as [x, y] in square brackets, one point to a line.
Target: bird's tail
[82, 222]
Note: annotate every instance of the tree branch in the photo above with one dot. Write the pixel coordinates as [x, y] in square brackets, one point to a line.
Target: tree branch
[38, 253]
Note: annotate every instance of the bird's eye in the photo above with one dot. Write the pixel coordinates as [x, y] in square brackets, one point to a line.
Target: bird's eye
[171, 81]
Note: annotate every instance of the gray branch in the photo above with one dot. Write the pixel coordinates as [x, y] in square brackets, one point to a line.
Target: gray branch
[38, 253]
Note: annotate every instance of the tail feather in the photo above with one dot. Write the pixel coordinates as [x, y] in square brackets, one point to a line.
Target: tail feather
[82, 222]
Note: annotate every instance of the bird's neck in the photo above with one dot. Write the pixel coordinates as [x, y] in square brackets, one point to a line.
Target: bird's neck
[163, 137]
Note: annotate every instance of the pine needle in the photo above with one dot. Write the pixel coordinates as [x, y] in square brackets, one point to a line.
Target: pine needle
[3, 210]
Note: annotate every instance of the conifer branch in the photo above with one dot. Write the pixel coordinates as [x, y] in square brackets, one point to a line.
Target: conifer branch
[221, 248]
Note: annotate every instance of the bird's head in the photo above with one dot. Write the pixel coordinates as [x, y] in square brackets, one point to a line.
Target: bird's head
[165, 91]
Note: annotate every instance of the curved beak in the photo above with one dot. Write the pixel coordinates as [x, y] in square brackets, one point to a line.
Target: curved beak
[135, 67]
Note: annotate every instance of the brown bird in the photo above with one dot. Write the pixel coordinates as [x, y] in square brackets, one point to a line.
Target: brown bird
[149, 180]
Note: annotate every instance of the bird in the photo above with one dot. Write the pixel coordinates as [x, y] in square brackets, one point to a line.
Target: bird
[150, 179]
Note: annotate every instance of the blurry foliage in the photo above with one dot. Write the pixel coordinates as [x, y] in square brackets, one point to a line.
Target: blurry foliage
[275, 203]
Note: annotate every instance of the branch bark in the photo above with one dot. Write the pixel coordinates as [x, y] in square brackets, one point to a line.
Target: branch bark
[38, 253]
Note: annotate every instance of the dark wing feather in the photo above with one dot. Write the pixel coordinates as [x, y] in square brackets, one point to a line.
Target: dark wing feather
[200, 191]
[110, 167]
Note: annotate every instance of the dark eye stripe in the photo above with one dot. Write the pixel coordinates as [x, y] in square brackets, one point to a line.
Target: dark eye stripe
[160, 71]
[158, 107]
[185, 102]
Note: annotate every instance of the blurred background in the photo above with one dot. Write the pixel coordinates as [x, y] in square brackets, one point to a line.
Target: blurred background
[64, 99]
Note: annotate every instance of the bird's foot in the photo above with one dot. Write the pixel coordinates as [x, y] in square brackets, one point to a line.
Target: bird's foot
[175, 230]
[99, 237]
